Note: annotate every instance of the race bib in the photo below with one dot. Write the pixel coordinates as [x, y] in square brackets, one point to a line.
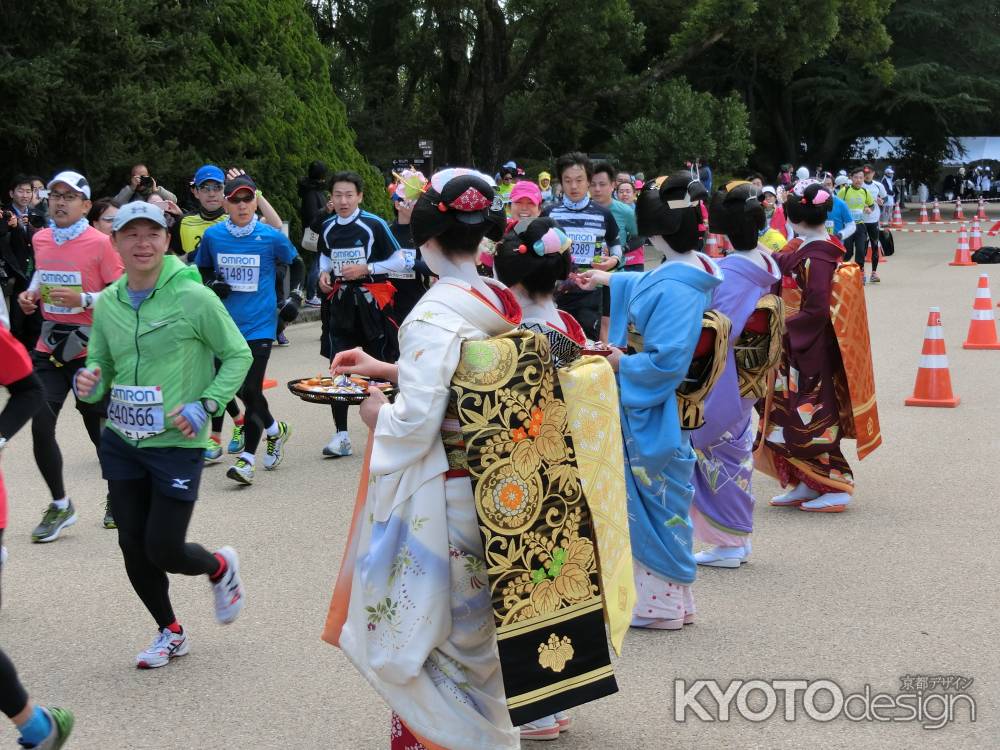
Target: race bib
[829, 226]
[49, 280]
[584, 245]
[136, 411]
[241, 272]
[345, 256]
[411, 257]
[856, 214]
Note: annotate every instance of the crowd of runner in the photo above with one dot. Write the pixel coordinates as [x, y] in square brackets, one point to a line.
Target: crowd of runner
[507, 309]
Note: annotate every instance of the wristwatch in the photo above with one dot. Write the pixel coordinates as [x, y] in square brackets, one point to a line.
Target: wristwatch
[86, 300]
[371, 270]
[210, 405]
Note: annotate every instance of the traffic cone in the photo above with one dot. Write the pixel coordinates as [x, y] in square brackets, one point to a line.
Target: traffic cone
[962, 256]
[958, 210]
[983, 328]
[982, 209]
[897, 217]
[923, 214]
[268, 383]
[933, 386]
[712, 246]
[936, 215]
[976, 237]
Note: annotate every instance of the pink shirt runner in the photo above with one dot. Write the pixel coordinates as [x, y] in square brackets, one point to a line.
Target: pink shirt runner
[87, 263]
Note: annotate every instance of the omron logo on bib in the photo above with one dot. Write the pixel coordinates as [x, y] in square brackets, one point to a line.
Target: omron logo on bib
[241, 271]
[49, 280]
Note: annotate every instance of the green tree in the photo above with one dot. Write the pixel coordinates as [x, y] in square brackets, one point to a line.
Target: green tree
[174, 83]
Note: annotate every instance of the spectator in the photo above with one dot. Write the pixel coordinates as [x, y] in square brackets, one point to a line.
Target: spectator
[140, 186]
[313, 196]
[705, 174]
[625, 189]
[38, 192]
[891, 189]
[102, 214]
[545, 185]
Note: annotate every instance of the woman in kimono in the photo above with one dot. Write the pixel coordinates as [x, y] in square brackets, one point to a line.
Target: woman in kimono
[723, 502]
[803, 425]
[665, 307]
[419, 625]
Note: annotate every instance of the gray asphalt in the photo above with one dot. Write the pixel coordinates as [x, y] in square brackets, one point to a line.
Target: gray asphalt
[904, 583]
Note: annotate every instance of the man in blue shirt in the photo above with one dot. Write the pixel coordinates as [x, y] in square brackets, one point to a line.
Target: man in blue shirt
[238, 260]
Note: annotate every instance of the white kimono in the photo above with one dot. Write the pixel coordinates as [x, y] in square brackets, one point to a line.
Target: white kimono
[420, 623]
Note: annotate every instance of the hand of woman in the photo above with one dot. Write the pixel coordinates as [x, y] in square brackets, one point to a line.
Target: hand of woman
[615, 357]
[371, 406]
[357, 362]
[590, 280]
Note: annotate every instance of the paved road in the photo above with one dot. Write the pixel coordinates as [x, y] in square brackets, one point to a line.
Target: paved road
[905, 583]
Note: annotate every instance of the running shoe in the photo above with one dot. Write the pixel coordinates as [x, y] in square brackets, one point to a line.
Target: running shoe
[166, 646]
[241, 471]
[339, 446]
[228, 590]
[238, 441]
[53, 522]
[62, 727]
[273, 454]
[545, 728]
[282, 339]
[874, 279]
[214, 454]
[109, 517]
[314, 301]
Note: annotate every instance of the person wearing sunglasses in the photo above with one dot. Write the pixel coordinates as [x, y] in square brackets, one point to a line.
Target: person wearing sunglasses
[238, 259]
[74, 263]
[102, 214]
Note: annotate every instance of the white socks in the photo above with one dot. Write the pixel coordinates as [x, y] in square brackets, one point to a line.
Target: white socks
[273, 430]
[62, 504]
[248, 457]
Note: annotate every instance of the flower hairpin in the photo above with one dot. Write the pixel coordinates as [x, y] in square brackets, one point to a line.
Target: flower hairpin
[553, 241]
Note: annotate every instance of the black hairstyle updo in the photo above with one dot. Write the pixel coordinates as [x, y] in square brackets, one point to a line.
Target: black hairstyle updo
[736, 211]
[672, 211]
[458, 208]
[538, 274]
[804, 209]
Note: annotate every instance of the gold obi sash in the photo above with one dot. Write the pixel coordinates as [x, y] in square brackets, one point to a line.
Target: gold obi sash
[535, 524]
[704, 371]
[757, 354]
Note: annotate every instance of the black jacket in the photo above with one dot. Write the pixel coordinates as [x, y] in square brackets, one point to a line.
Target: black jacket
[313, 196]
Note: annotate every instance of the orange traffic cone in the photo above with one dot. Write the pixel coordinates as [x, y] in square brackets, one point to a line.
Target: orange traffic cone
[268, 383]
[897, 217]
[936, 215]
[923, 214]
[958, 210]
[982, 209]
[962, 256]
[712, 246]
[933, 386]
[976, 237]
[983, 328]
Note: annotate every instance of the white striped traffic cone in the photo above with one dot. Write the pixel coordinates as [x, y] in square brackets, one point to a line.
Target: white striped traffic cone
[983, 327]
[976, 237]
[897, 217]
[923, 214]
[933, 386]
[982, 209]
[936, 214]
[962, 256]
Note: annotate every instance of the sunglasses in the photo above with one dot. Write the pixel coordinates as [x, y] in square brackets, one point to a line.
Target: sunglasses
[242, 197]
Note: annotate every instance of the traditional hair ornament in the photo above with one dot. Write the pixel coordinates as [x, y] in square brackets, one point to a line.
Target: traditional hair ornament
[522, 248]
[553, 241]
[471, 200]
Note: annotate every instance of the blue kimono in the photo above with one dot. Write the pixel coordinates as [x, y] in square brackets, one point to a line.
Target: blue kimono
[665, 306]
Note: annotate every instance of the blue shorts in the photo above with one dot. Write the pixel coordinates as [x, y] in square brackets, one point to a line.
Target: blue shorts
[174, 472]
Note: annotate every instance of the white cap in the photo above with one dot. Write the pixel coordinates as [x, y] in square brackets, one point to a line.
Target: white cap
[75, 180]
[890, 170]
[802, 173]
[768, 189]
[138, 210]
[842, 179]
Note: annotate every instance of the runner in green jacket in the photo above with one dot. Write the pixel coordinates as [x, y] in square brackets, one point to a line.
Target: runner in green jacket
[156, 334]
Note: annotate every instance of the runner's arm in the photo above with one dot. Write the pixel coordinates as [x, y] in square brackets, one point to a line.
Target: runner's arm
[849, 229]
[216, 328]
[99, 355]
[267, 211]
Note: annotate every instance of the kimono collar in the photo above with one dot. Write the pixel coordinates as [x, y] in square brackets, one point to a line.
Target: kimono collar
[704, 276]
[745, 267]
[480, 311]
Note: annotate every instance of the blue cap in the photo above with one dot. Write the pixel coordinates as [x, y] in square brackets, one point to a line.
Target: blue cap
[138, 210]
[208, 172]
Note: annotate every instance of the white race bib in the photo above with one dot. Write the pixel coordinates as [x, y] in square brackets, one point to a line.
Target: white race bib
[136, 410]
[345, 256]
[411, 256]
[584, 246]
[856, 214]
[49, 280]
[241, 272]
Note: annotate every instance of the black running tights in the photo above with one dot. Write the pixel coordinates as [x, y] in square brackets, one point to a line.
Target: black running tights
[234, 411]
[13, 697]
[258, 416]
[151, 531]
[47, 453]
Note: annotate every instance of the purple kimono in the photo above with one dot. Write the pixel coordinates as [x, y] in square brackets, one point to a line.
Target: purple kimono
[724, 444]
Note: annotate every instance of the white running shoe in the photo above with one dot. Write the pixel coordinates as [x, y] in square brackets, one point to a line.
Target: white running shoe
[545, 728]
[339, 446]
[722, 557]
[273, 452]
[228, 590]
[165, 646]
